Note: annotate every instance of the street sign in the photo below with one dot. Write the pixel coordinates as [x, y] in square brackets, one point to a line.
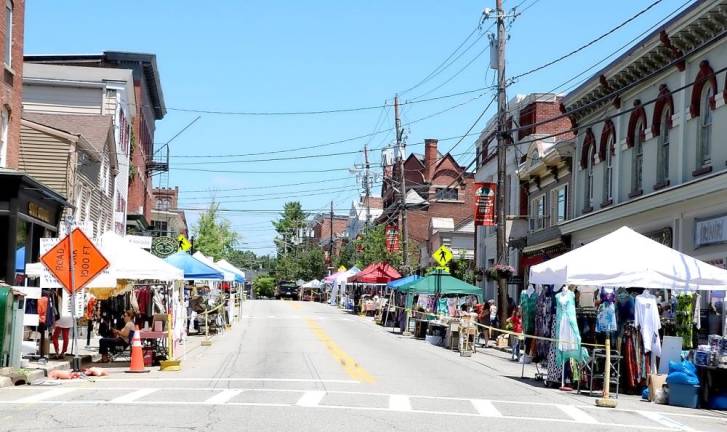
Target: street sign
[164, 246]
[184, 244]
[88, 262]
[442, 255]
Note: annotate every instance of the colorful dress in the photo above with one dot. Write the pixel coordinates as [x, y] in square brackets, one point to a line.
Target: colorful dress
[685, 319]
[528, 304]
[569, 338]
[606, 320]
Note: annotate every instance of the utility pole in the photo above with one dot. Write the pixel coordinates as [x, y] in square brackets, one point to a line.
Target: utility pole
[502, 253]
[330, 236]
[367, 187]
[401, 146]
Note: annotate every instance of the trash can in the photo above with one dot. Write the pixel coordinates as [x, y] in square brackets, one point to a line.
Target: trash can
[12, 312]
[684, 395]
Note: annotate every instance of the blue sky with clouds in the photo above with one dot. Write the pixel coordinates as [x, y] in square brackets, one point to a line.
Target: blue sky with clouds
[259, 55]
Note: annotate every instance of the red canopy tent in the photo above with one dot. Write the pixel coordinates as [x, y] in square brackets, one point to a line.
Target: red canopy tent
[377, 273]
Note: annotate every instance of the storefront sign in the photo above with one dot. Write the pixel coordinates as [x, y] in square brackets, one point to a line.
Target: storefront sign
[485, 204]
[392, 238]
[142, 242]
[164, 246]
[38, 212]
[710, 231]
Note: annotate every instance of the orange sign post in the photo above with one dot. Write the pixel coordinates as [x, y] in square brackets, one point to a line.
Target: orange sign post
[75, 261]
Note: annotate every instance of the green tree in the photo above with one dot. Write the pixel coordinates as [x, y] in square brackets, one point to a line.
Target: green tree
[213, 234]
[312, 264]
[463, 269]
[264, 286]
[244, 259]
[292, 221]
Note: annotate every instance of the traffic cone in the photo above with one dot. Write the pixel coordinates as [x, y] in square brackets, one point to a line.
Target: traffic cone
[137, 355]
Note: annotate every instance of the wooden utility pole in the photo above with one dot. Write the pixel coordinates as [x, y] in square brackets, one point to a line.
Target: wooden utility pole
[367, 187]
[330, 236]
[502, 252]
[401, 146]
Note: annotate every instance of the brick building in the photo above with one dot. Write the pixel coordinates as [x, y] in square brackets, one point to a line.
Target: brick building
[150, 107]
[320, 231]
[166, 220]
[29, 210]
[437, 186]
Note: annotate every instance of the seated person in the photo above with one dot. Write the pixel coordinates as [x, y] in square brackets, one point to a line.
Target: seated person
[119, 337]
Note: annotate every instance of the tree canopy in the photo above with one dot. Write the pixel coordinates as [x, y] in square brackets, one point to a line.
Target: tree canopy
[213, 234]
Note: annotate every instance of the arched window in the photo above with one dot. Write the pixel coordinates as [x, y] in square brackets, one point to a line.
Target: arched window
[8, 48]
[663, 149]
[606, 153]
[704, 134]
[637, 158]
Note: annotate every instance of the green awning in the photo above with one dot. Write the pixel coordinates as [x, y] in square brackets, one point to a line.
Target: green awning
[448, 285]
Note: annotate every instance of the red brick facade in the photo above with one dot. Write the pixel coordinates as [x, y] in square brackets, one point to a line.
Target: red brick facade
[322, 227]
[12, 81]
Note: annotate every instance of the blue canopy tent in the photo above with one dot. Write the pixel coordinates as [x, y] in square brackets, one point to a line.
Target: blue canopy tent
[400, 283]
[192, 267]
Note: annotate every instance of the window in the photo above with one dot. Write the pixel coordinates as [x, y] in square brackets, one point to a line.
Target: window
[9, 35]
[608, 170]
[559, 199]
[663, 149]
[446, 194]
[160, 228]
[704, 156]
[588, 189]
[537, 213]
[637, 159]
[163, 204]
[4, 121]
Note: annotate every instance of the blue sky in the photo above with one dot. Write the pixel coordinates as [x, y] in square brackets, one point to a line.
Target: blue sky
[258, 55]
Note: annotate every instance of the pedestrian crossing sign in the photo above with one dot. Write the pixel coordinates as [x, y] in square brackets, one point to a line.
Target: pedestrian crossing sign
[443, 255]
[184, 244]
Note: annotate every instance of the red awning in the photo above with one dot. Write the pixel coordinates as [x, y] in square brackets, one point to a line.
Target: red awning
[379, 273]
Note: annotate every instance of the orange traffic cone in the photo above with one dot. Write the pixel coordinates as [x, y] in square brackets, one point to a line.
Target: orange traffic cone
[137, 356]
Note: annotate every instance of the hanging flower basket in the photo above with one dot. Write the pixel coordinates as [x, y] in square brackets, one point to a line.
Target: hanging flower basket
[499, 271]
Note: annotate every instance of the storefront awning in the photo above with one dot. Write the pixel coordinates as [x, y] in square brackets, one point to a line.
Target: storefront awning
[543, 245]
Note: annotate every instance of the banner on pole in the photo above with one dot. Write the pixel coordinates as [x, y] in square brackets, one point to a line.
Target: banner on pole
[485, 195]
[392, 238]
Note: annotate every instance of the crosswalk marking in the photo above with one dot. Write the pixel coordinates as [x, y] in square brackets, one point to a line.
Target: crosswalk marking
[664, 421]
[577, 414]
[222, 397]
[311, 398]
[485, 408]
[45, 395]
[399, 403]
[131, 397]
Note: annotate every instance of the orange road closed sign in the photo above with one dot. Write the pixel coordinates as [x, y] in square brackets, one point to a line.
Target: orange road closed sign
[88, 262]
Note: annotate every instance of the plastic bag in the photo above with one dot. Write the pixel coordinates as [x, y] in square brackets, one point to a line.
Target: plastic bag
[683, 366]
[683, 372]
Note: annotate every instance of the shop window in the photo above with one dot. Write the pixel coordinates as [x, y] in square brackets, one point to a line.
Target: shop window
[704, 150]
[4, 138]
[663, 149]
[589, 177]
[447, 194]
[559, 199]
[8, 57]
[608, 170]
[160, 228]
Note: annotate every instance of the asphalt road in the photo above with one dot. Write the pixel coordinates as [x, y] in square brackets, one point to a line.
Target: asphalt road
[291, 366]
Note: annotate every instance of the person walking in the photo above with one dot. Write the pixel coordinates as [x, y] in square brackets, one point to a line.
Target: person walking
[62, 327]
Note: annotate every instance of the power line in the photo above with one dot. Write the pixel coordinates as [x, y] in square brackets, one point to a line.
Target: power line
[264, 187]
[582, 47]
[482, 114]
[292, 194]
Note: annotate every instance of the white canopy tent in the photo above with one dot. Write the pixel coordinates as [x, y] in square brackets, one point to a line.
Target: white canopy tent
[315, 283]
[224, 265]
[228, 275]
[131, 262]
[626, 258]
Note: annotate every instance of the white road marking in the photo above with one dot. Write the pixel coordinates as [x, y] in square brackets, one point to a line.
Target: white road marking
[577, 414]
[485, 408]
[133, 396]
[271, 316]
[399, 403]
[222, 397]
[39, 397]
[665, 421]
[297, 380]
[311, 399]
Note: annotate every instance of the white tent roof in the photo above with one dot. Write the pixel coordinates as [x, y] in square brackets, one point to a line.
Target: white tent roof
[626, 258]
[229, 276]
[315, 283]
[131, 262]
[224, 265]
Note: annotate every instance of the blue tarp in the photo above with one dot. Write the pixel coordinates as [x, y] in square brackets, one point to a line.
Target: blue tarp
[403, 281]
[192, 267]
[20, 260]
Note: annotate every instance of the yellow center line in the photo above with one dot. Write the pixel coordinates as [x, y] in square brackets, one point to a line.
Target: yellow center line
[352, 368]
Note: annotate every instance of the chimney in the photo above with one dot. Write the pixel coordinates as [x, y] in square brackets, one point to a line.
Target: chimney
[430, 158]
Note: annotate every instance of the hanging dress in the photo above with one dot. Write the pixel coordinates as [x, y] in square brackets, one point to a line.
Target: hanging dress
[606, 320]
[569, 338]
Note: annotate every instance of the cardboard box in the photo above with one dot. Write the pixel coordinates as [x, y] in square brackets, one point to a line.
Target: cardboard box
[656, 382]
